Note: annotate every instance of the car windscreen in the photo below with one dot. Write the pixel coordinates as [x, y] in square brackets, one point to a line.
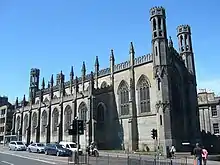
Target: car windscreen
[20, 143]
[73, 146]
[59, 146]
[40, 145]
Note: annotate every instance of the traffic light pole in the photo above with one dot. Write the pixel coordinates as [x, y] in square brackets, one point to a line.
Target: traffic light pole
[77, 136]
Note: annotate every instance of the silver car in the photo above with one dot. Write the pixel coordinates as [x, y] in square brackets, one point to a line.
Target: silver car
[36, 147]
[17, 146]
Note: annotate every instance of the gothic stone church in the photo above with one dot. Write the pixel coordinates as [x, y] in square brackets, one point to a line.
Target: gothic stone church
[120, 104]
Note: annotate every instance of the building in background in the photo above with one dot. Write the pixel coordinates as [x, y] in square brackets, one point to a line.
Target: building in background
[6, 116]
[121, 104]
[3, 100]
[209, 111]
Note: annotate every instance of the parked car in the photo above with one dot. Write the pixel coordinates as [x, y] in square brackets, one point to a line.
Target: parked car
[56, 149]
[71, 146]
[17, 146]
[36, 147]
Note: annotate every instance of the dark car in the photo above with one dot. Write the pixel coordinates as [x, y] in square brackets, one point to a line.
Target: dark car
[56, 149]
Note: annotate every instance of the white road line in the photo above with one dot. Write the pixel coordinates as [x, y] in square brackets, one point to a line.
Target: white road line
[7, 162]
[42, 157]
[24, 157]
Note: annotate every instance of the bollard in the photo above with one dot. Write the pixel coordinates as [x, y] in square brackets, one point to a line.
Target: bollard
[70, 158]
[76, 157]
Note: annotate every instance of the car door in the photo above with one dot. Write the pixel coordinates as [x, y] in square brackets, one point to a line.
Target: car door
[34, 147]
[12, 145]
[48, 148]
[54, 149]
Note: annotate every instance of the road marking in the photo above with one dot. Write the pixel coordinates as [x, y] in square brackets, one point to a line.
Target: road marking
[24, 157]
[7, 162]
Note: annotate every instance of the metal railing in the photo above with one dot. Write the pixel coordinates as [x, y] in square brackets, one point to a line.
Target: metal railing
[128, 160]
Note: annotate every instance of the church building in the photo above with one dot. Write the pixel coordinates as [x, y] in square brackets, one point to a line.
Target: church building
[121, 104]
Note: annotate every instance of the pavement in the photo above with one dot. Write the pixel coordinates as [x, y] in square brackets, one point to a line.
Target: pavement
[25, 158]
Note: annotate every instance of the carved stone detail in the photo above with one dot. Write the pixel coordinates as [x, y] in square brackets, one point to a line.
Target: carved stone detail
[160, 71]
[163, 105]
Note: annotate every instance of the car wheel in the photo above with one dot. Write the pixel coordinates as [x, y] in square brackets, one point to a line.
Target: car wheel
[46, 153]
[58, 154]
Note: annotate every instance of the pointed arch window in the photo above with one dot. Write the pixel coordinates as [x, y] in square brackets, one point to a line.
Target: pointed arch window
[34, 122]
[100, 113]
[46, 100]
[55, 119]
[104, 84]
[124, 98]
[67, 118]
[83, 112]
[144, 95]
[25, 123]
[43, 122]
[18, 123]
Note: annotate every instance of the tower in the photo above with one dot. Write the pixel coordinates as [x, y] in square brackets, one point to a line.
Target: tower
[186, 52]
[185, 47]
[160, 70]
[34, 83]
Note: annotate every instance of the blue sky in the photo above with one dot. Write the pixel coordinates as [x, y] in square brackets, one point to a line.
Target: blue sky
[53, 35]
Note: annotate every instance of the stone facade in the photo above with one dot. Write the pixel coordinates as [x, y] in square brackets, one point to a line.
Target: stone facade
[6, 116]
[122, 103]
[209, 112]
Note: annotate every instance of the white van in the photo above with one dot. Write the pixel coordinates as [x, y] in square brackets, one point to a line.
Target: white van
[71, 146]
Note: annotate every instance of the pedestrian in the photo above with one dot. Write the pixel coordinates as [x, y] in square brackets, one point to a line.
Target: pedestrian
[198, 154]
[204, 155]
[172, 151]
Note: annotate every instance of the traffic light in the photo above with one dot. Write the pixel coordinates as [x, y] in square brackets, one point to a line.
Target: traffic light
[73, 131]
[77, 125]
[154, 134]
[80, 127]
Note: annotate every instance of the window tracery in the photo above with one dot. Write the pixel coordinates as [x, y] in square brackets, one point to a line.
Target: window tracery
[67, 117]
[55, 119]
[144, 95]
[124, 98]
[44, 122]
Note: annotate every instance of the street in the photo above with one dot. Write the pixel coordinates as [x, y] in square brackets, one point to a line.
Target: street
[25, 158]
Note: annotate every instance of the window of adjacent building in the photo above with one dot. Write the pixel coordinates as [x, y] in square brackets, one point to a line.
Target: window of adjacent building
[214, 111]
[216, 128]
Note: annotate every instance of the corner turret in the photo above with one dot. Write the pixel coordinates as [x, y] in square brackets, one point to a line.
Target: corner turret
[34, 83]
[185, 47]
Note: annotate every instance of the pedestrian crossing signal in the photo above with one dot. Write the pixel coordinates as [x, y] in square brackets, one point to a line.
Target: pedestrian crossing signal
[154, 134]
[77, 128]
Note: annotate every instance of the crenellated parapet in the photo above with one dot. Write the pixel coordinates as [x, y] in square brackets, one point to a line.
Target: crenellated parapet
[106, 89]
[104, 72]
[143, 59]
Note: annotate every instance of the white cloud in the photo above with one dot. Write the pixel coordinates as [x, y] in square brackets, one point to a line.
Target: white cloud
[212, 85]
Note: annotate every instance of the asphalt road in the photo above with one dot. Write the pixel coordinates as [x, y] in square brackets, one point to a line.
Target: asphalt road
[25, 158]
